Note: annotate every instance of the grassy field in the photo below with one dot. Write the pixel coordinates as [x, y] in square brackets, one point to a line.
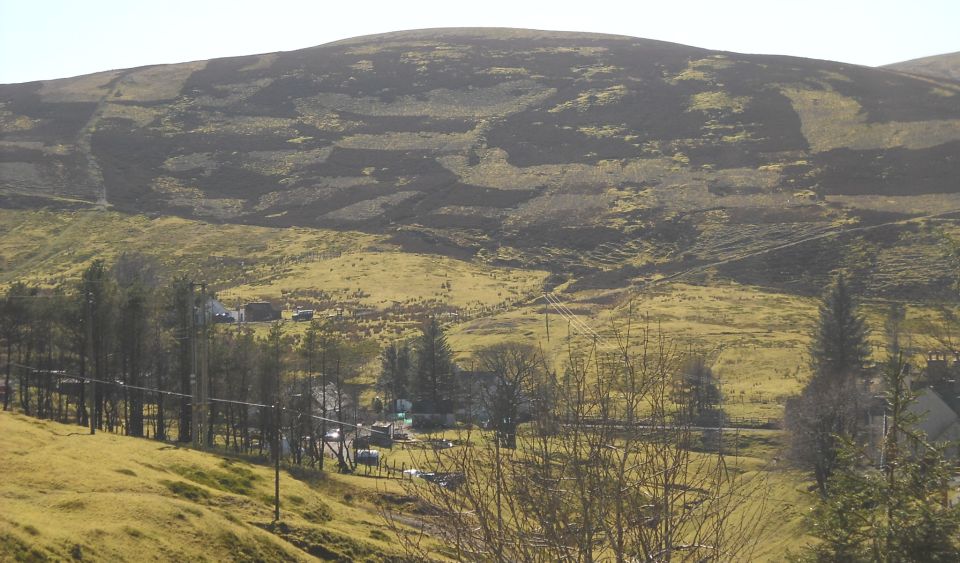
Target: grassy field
[50, 247]
[756, 339]
[66, 494]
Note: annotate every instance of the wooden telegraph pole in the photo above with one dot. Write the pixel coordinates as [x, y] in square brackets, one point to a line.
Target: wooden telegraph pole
[204, 376]
[93, 384]
[278, 420]
[546, 315]
[194, 379]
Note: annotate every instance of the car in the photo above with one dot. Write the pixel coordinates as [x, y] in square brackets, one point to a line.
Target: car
[445, 480]
[332, 436]
[223, 318]
[303, 315]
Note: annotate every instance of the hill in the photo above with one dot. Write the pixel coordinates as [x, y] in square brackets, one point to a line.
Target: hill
[610, 159]
[69, 495]
[938, 66]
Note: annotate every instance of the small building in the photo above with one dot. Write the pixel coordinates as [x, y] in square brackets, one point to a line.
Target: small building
[260, 311]
[381, 434]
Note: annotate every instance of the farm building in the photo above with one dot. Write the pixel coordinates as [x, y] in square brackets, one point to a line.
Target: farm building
[260, 311]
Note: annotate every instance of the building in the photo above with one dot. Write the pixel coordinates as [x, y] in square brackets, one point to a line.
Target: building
[260, 311]
[936, 408]
[381, 434]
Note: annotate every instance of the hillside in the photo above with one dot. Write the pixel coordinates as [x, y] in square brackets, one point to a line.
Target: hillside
[938, 66]
[68, 495]
[613, 160]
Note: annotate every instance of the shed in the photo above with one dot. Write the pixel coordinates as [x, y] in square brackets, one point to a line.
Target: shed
[260, 311]
[381, 434]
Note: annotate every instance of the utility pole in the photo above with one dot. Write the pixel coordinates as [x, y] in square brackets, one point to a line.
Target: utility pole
[276, 463]
[278, 420]
[93, 384]
[195, 384]
[313, 439]
[546, 315]
[204, 405]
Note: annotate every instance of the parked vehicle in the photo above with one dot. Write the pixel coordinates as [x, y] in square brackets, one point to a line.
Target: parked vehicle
[224, 318]
[332, 436]
[445, 480]
[303, 315]
[368, 457]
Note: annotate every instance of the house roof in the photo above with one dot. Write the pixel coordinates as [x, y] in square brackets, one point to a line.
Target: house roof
[936, 416]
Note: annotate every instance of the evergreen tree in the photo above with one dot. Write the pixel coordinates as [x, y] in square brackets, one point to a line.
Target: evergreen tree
[840, 345]
[899, 512]
[833, 404]
[434, 383]
[97, 295]
[695, 389]
[395, 373]
[13, 320]
[181, 309]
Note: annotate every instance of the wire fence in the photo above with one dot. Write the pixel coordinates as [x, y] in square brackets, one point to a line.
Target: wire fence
[61, 396]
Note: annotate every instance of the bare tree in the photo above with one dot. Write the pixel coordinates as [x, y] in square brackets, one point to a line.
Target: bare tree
[607, 473]
[516, 369]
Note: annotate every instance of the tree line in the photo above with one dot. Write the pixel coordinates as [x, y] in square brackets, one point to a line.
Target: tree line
[130, 341]
[119, 350]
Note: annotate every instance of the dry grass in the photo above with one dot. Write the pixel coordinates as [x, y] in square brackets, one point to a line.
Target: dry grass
[718, 100]
[384, 278]
[67, 494]
[48, 247]
[87, 88]
[499, 100]
[156, 83]
[830, 120]
[593, 98]
[922, 204]
[412, 140]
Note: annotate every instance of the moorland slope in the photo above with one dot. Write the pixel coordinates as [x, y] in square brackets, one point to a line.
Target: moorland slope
[607, 158]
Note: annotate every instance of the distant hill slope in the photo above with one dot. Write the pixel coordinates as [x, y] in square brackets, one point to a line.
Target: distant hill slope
[938, 66]
[67, 495]
[577, 153]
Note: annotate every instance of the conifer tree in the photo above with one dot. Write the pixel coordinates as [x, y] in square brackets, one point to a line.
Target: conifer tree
[897, 512]
[832, 406]
[434, 384]
[394, 372]
[840, 345]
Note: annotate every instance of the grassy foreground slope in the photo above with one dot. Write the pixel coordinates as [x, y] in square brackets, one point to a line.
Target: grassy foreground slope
[67, 495]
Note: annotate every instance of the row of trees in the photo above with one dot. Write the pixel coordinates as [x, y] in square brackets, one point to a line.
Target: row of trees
[423, 372]
[139, 339]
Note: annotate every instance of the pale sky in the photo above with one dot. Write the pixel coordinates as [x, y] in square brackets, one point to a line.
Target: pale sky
[43, 39]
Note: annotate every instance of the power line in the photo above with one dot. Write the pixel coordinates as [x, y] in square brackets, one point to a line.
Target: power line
[63, 375]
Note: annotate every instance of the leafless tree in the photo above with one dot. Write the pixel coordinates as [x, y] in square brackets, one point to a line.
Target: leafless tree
[606, 472]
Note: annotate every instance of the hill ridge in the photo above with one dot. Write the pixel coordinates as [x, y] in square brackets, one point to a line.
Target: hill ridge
[507, 146]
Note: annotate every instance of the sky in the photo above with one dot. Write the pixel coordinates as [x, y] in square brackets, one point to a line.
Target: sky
[45, 39]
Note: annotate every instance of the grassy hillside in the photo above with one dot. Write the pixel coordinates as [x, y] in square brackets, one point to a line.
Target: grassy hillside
[756, 335]
[69, 495]
[573, 153]
[938, 66]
